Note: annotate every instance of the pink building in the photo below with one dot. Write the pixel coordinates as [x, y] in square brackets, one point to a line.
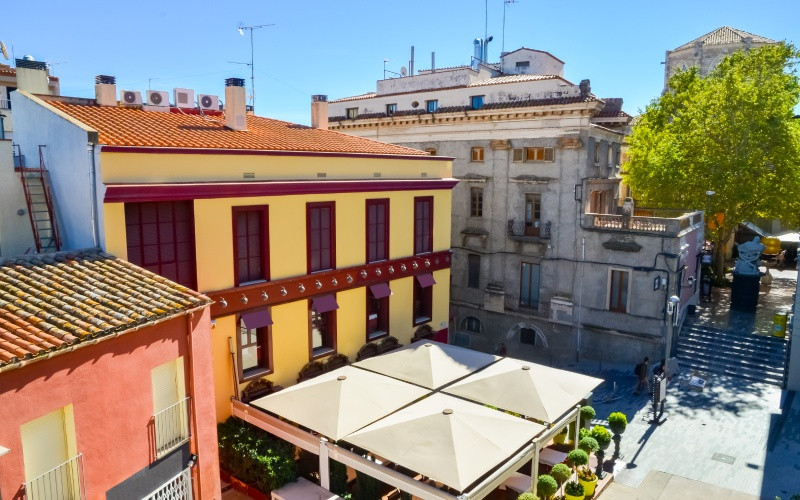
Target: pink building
[106, 386]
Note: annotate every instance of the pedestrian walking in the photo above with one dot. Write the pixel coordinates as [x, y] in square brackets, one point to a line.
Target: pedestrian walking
[641, 373]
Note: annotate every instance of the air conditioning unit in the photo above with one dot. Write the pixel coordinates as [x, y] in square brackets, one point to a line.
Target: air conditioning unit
[184, 98]
[205, 101]
[130, 97]
[157, 98]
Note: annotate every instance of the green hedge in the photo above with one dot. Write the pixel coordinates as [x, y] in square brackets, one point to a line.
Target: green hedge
[255, 456]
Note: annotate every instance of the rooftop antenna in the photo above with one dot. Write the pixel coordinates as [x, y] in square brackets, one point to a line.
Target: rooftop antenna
[241, 30]
[486, 21]
[506, 3]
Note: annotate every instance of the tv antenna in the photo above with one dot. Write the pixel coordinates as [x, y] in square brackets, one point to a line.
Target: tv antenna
[241, 29]
[506, 3]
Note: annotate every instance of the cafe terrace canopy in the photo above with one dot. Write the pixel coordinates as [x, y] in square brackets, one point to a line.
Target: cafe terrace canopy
[463, 444]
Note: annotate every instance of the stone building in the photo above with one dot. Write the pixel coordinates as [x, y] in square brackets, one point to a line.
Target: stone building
[544, 266]
[708, 50]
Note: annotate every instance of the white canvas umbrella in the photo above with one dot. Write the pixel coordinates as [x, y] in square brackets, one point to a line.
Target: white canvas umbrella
[337, 403]
[429, 364]
[530, 389]
[447, 439]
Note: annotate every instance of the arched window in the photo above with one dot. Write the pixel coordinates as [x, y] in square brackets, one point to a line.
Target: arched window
[471, 324]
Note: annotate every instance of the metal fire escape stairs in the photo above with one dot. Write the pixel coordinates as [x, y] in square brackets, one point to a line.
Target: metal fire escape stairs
[36, 185]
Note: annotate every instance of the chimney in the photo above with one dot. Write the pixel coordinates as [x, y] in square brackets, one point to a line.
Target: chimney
[105, 90]
[32, 76]
[235, 104]
[586, 88]
[319, 111]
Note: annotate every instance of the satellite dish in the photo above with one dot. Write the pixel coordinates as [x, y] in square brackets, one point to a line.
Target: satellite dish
[3, 50]
[403, 71]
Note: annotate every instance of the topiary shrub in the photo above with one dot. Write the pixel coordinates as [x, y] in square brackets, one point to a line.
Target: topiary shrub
[577, 458]
[602, 436]
[583, 432]
[255, 456]
[618, 422]
[546, 486]
[587, 414]
[589, 445]
[560, 473]
[574, 488]
[527, 496]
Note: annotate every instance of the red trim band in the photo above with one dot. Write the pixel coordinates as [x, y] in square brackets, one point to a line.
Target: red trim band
[176, 192]
[261, 152]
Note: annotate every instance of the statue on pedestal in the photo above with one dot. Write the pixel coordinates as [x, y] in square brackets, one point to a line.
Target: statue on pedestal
[749, 252]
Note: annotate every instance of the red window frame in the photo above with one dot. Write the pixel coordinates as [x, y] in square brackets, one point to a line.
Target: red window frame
[377, 316]
[423, 303]
[262, 339]
[259, 241]
[160, 238]
[329, 335]
[377, 230]
[423, 224]
[316, 236]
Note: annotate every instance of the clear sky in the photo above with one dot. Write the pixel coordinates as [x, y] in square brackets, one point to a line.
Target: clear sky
[338, 47]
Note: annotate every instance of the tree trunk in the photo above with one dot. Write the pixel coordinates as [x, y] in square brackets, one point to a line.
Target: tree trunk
[719, 259]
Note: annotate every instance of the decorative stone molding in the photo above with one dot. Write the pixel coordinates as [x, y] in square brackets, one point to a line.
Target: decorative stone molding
[500, 144]
[622, 244]
[569, 143]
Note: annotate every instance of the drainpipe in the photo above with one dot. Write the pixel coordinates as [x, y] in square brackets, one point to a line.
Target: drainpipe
[192, 406]
[93, 176]
[580, 299]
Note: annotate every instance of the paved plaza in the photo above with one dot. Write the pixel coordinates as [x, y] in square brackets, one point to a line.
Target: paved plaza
[735, 439]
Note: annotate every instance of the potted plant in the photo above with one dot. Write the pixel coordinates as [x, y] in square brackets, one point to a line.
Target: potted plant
[588, 480]
[573, 491]
[562, 437]
[617, 421]
[603, 438]
[546, 486]
[527, 496]
[576, 458]
[589, 445]
[587, 414]
[560, 473]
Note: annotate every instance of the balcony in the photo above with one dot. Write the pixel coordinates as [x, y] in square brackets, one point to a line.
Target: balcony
[5, 104]
[62, 482]
[171, 427]
[523, 231]
[666, 223]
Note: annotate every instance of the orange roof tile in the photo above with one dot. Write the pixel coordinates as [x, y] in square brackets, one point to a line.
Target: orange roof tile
[51, 301]
[122, 126]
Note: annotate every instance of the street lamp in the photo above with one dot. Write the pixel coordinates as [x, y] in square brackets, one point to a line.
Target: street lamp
[709, 194]
[673, 304]
[252, 69]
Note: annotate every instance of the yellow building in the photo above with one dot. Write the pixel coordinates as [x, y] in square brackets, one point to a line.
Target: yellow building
[311, 242]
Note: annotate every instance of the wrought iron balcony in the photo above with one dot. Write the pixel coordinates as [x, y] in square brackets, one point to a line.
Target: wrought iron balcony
[59, 483]
[525, 231]
[171, 427]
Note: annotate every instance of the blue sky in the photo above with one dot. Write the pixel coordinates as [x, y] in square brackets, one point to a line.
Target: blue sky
[338, 47]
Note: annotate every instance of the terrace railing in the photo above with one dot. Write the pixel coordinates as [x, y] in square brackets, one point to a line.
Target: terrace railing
[64, 482]
[171, 427]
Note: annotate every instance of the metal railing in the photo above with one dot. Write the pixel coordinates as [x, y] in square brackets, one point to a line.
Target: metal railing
[171, 427]
[64, 482]
[5, 104]
[522, 229]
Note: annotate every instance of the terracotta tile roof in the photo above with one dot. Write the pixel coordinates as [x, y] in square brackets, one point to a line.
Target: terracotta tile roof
[497, 80]
[122, 126]
[49, 302]
[724, 35]
[460, 109]
[612, 109]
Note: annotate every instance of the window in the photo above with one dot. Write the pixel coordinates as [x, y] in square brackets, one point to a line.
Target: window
[352, 113]
[321, 236]
[431, 151]
[476, 101]
[529, 285]
[432, 105]
[170, 416]
[600, 201]
[523, 64]
[378, 311]
[533, 213]
[527, 336]
[377, 230]
[471, 324]
[391, 109]
[477, 153]
[160, 238]
[618, 290]
[251, 247]
[322, 331]
[423, 298]
[423, 225]
[476, 202]
[473, 271]
[539, 154]
[48, 444]
[517, 155]
[597, 153]
[255, 345]
[610, 155]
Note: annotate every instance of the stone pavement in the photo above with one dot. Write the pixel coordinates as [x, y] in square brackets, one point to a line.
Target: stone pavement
[736, 439]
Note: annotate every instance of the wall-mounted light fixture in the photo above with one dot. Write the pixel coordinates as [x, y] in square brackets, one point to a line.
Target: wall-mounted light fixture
[192, 460]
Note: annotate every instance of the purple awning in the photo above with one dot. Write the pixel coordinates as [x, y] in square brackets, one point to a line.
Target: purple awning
[256, 319]
[380, 290]
[426, 280]
[324, 303]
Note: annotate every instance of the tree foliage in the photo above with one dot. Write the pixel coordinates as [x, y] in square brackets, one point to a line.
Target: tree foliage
[732, 132]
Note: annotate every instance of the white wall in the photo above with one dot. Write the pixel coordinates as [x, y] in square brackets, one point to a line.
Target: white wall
[540, 63]
[16, 236]
[68, 162]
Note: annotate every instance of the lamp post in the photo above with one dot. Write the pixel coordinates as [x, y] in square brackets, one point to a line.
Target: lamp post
[672, 305]
[252, 69]
[709, 194]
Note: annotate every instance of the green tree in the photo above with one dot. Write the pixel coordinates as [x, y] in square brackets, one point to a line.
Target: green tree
[732, 132]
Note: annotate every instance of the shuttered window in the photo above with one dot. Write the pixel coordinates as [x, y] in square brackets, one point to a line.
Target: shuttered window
[160, 238]
[44, 444]
[167, 384]
[377, 230]
[320, 233]
[618, 290]
[423, 224]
